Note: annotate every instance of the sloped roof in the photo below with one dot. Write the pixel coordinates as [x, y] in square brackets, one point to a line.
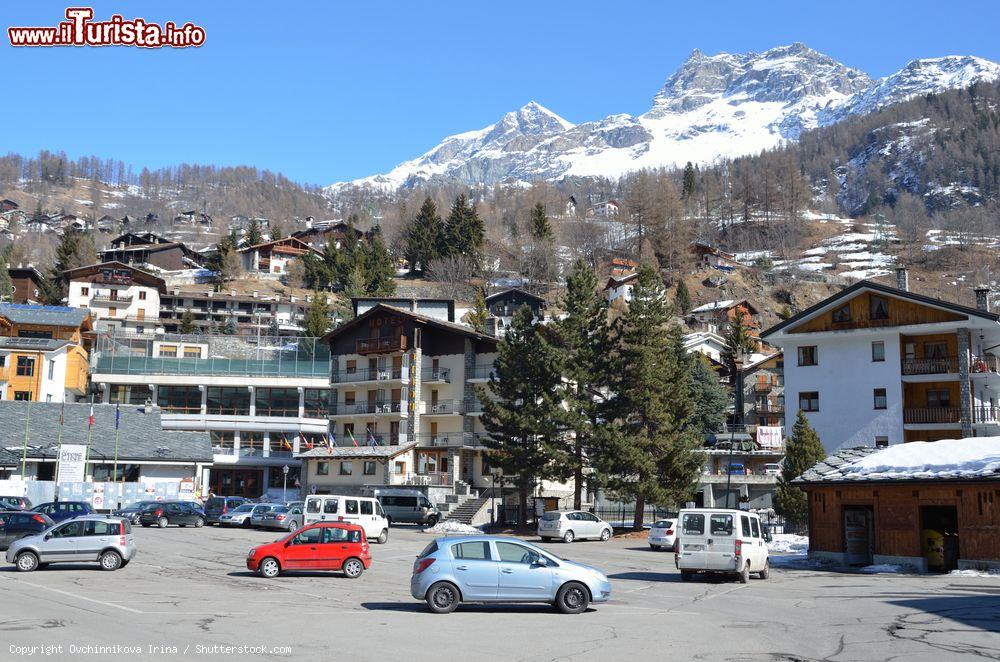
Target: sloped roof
[33, 344]
[23, 313]
[514, 290]
[138, 275]
[141, 435]
[618, 281]
[347, 452]
[430, 321]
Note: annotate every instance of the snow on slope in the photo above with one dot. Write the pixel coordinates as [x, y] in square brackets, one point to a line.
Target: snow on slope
[713, 107]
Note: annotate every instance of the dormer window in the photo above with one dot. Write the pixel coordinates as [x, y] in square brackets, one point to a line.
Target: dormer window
[878, 308]
[842, 315]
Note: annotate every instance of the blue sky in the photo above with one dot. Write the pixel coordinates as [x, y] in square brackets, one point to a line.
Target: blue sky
[330, 91]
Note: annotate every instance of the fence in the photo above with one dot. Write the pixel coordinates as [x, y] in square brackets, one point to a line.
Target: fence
[101, 496]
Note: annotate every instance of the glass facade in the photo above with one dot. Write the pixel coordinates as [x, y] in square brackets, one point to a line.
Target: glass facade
[232, 400]
[179, 399]
[317, 402]
[277, 401]
[129, 394]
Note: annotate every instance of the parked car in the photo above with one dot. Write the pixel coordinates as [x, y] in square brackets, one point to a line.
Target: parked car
[217, 506]
[366, 512]
[15, 503]
[721, 541]
[322, 546]
[283, 518]
[239, 516]
[258, 512]
[726, 440]
[105, 539]
[662, 534]
[64, 510]
[17, 524]
[132, 511]
[410, 506]
[165, 513]
[772, 469]
[570, 525]
[454, 570]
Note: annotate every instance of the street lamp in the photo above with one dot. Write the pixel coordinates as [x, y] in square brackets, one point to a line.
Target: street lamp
[284, 484]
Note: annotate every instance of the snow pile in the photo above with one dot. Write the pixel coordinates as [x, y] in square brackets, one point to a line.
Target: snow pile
[992, 574]
[450, 527]
[885, 568]
[948, 458]
[788, 543]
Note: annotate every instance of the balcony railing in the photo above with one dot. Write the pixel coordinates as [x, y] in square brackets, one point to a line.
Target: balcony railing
[123, 299]
[451, 439]
[366, 375]
[435, 375]
[429, 478]
[938, 366]
[376, 345]
[983, 364]
[986, 414]
[480, 372]
[361, 408]
[444, 407]
[921, 415]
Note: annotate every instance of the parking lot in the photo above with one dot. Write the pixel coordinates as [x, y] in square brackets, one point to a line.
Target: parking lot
[188, 590]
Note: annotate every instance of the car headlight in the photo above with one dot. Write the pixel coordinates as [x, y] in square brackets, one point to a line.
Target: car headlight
[251, 554]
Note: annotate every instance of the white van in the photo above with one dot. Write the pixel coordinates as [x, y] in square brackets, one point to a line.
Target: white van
[366, 512]
[720, 541]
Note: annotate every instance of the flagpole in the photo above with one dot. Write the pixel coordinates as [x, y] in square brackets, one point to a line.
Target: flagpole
[90, 430]
[62, 420]
[24, 448]
[117, 415]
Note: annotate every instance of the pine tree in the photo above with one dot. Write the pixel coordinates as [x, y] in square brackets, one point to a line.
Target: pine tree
[802, 450]
[739, 343]
[380, 270]
[317, 320]
[187, 323]
[688, 185]
[646, 451]
[356, 282]
[464, 231]
[424, 237]
[253, 236]
[229, 327]
[521, 406]
[39, 214]
[711, 398]
[480, 314]
[226, 262]
[6, 284]
[682, 298]
[539, 225]
[582, 337]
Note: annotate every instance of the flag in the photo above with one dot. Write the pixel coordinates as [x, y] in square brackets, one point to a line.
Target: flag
[308, 443]
[285, 442]
[90, 420]
[118, 416]
[372, 441]
[351, 435]
[62, 413]
[330, 441]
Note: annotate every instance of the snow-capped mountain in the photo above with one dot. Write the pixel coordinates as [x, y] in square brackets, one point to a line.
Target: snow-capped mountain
[714, 106]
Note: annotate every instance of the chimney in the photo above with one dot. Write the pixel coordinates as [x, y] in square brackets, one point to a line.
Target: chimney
[902, 279]
[983, 298]
[255, 293]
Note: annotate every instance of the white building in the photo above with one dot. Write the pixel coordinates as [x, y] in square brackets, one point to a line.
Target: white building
[119, 297]
[620, 287]
[878, 365]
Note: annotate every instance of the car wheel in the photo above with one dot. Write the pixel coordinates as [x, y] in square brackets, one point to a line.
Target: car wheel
[572, 598]
[162, 522]
[353, 568]
[198, 523]
[383, 537]
[110, 560]
[26, 562]
[569, 536]
[432, 521]
[605, 535]
[653, 547]
[766, 571]
[246, 523]
[293, 526]
[744, 575]
[443, 598]
[269, 568]
[686, 575]
[388, 520]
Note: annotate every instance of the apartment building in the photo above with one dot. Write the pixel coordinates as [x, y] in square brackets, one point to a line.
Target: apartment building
[262, 399]
[151, 249]
[27, 283]
[42, 353]
[876, 365]
[250, 313]
[273, 257]
[120, 298]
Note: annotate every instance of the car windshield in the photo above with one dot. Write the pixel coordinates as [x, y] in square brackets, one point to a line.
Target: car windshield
[280, 509]
[663, 524]
[551, 516]
[245, 508]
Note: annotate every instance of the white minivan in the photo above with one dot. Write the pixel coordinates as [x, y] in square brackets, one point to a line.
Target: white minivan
[716, 540]
[366, 512]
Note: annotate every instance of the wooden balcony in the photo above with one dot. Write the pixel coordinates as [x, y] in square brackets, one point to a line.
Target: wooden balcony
[925, 415]
[381, 345]
[939, 366]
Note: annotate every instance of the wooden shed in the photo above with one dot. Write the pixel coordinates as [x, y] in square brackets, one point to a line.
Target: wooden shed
[931, 505]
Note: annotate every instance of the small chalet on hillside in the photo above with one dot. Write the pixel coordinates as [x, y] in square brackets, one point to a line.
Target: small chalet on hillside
[322, 233]
[151, 249]
[503, 305]
[717, 315]
[272, 257]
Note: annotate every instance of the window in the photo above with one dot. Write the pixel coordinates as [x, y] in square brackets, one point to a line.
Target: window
[512, 553]
[330, 506]
[336, 534]
[880, 399]
[346, 469]
[24, 396]
[232, 400]
[721, 525]
[878, 308]
[112, 311]
[842, 315]
[85, 291]
[367, 508]
[52, 369]
[809, 401]
[322, 468]
[755, 525]
[693, 525]
[399, 468]
[182, 399]
[476, 551]
[369, 468]
[277, 401]
[352, 367]
[142, 295]
[878, 351]
[745, 526]
[807, 355]
[168, 350]
[317, 402]
[349, 398]
[935, 350]
[71, 530]
[881, 442]
[938, 397]
[192, 352]
[351, 507]
[98, 528]
[25, 366]
[308, 537]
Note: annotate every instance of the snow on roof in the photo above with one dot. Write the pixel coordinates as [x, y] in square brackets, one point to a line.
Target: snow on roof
[974, 457]
[715, 305]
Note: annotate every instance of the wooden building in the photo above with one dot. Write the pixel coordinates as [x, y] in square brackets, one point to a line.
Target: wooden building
[929, 505]
[27, 282]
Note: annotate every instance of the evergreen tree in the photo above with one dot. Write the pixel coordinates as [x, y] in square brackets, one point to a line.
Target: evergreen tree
[464, 231]
[688, 185]
[277, 230]
[39, 214]
[711, 399]
[273, 328]
[646, 451]
[682, 299]
[739, 343]
[380, 270]
[6, 284]
[479, 315]
[521, 406]
[253, 235]
[802, 450]
[356, 283]
[582, 337]
[424, 236]
[317, 321]
[229, 327]
[188, 323]
[539, 225]
[226, 262]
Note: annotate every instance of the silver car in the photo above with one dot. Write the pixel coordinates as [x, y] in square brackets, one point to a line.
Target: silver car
[494, 569]
[258, 512]
[105, 539]
[239, 516]
[570, 525]
[283, 518]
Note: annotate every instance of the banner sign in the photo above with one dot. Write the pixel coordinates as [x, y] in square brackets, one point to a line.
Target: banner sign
[72, 459]
[769, 436]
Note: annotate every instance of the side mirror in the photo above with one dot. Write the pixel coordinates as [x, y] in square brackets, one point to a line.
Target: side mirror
[542, 561]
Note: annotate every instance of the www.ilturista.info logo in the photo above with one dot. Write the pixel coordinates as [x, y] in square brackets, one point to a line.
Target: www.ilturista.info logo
[80, 30]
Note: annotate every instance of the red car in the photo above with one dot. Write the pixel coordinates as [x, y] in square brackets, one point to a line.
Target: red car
[320, 546]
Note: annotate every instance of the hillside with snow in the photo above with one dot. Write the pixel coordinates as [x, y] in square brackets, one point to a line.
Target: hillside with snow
[713, 106]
